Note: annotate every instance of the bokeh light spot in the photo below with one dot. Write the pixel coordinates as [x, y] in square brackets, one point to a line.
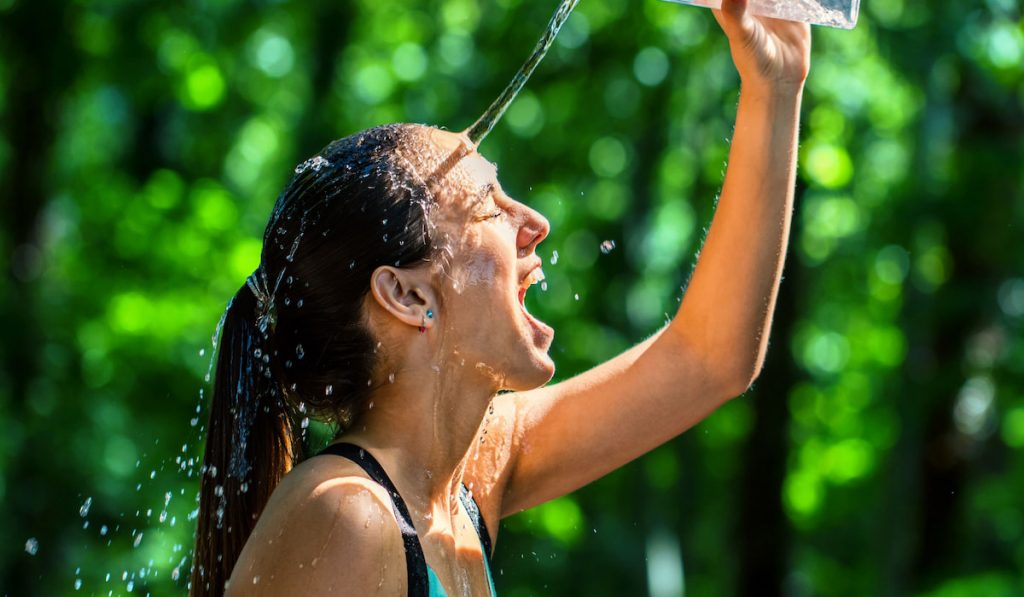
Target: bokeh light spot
[650, 66]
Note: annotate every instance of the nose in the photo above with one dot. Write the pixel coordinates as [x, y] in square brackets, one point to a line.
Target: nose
[535, 228]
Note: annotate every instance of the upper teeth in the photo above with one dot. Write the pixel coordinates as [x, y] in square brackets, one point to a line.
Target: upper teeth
[534, 277]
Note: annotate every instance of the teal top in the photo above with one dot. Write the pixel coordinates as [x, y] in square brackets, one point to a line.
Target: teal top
[436, 590]
[422, 580]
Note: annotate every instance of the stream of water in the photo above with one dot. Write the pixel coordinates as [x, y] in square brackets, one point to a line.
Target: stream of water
[158, 544]
[488, 119]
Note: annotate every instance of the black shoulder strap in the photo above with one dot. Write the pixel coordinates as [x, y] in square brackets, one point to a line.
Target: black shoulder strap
[478, 520]
[415, 562]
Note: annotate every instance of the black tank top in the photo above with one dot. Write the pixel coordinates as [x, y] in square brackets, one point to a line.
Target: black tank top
[415, 562]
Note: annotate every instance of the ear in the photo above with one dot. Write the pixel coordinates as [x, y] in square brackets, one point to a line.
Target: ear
[406, 294]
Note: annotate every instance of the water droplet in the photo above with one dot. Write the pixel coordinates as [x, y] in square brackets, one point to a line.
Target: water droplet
[299, 351]
[257, 353]
[554, 257]
[352, 265]
[607, 246]
[78, 584]
[103, 531]
[299, 303]
[315, 163]
[576, 296]
[138, 539]
[202, 351]
[328, 390]
[544, 286]
[305, 422]
[84, 510]
[32, 546]
[391, 378]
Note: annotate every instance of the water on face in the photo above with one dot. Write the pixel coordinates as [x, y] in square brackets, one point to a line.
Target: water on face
[167, 481]
[830, 13]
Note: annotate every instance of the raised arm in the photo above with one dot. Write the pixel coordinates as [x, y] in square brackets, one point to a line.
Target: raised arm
[571, 433]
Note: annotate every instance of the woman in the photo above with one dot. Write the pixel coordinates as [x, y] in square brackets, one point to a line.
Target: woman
[389, 300]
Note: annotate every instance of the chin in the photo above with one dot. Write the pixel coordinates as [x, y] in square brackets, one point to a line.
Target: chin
[534, 374]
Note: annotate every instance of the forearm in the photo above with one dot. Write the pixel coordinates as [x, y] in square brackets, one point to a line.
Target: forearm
[727, 309]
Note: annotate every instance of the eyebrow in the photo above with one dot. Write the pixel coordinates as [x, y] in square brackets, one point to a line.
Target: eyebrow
[484, 192]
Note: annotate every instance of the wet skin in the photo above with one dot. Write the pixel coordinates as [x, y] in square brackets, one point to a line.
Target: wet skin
[329, 530]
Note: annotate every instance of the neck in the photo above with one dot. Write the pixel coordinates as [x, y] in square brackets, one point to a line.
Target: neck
[422, 423]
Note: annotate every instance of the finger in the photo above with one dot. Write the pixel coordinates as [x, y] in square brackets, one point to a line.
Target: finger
[719, 17]
[734, 19]
[734, 8]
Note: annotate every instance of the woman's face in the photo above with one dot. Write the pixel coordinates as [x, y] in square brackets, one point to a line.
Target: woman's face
[488, 244]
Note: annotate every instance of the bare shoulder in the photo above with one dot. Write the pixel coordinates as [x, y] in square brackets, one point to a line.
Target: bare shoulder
[326, 530]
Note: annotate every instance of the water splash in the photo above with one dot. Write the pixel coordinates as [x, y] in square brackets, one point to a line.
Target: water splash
[483, 126]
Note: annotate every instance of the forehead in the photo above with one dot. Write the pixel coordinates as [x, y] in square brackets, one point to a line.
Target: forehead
[459, 164]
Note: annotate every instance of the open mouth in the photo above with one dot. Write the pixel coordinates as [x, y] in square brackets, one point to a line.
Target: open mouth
[535, 276]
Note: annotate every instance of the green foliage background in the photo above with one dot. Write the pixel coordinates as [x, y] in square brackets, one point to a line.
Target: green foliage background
[143, 144]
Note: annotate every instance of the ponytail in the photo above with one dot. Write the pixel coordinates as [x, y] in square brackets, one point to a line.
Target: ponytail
[357, 205]
[249, 443]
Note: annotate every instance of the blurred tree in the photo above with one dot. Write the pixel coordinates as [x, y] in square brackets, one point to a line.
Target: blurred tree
[143, 144]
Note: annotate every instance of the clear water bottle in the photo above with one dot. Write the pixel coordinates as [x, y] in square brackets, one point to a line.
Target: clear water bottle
[831, 13]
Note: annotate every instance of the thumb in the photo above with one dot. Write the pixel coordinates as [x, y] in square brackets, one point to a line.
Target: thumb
[734, 19]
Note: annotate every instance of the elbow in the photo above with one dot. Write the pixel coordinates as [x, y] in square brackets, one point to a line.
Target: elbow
[737, 379]
[745, 383]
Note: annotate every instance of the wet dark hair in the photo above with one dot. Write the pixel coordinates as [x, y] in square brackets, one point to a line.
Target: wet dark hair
[294, 342]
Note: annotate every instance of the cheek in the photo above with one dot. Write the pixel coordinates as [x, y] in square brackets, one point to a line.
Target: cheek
[481, 267]
[481, 271]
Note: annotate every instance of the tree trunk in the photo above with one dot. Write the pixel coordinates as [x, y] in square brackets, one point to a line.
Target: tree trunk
[763, 536]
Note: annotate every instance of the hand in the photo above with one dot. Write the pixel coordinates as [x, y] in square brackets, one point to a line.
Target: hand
[769, 53]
